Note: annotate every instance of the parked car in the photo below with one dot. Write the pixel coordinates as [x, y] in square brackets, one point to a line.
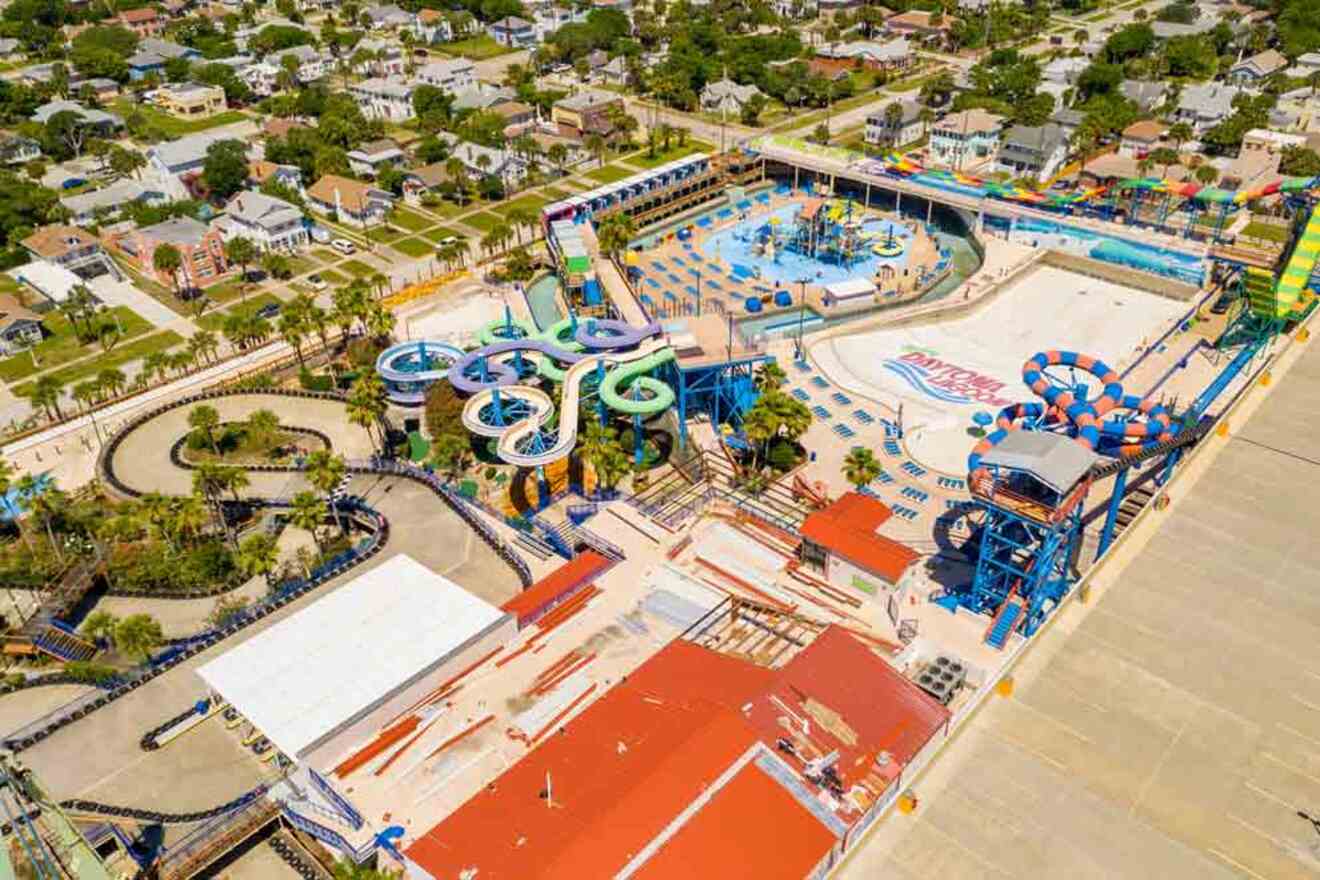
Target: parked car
[269, 310]
[344, 246]
[73, 183]
[317, 282]
[319, 234]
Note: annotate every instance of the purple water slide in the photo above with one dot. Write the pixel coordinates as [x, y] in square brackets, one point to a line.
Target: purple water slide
[601, 333]
[462, 377]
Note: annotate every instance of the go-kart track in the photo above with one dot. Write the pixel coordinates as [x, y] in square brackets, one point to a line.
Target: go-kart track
[943, 371]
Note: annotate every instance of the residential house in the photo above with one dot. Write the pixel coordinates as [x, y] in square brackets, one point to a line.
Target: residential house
[432, 27]
[386, 58]
[151, 55]
[91, 207]
[1205, 105]
[1140, 138]
[349, 201]
[386, 17]
[482, 96]
[312, 65]
[270, 223]
[550, 18]
[1111, 168]
[587, 112]
[1034, 151]
[615, 72]
[895, 54]
[906, 128]
[263, 78]
[183, 156]
[1263, 140]
[98, 87]
[99, 122]
[966, 139]
[421, 180]
[37, 74]
[918, 23]
[201, 247]
[481, 161]
[369, 158]
[145, 22]
[1146, 94]
[726, 96]
[518, 117]
[1167, 30]
[1069, 120]
[1251, 169]
[454, 75]
[830, 7]
[386, 99]
[1064, 71]
[515, 32]
[20, 327]
[280, 128]
[1309, 63]
[191, 100]
[287, 176]
[18, 150]
[68, 246]
[1258, 67]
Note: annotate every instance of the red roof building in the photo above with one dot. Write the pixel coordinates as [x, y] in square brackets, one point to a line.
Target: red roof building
[556, 587]
[844, 540]
[683, 768]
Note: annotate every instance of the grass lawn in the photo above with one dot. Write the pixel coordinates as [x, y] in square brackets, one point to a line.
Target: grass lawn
[330, 276]
[384, 235]
[326, 256]
[531, 204]
[216, 320]
[485, 221]
[611, 173]
[414, 247]
[645, 162]
[177, 127]
[1266, 232]
[555, 194]
[157, 291]
[446, 209]
[476, 48]
[440, 233]
[122, 354]
[408, 220]
[63, 346]
[301, 265]
[357, 269]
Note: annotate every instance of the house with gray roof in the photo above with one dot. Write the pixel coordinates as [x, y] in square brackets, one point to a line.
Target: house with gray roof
[1205, 105]
[1034, 151]
[270, 223]
[184, 155]
[1146, 94]
[86, 208]
[101, 123]
[726, 96]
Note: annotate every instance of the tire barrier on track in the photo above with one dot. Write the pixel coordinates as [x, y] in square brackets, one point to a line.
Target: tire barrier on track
[148, 742]
[158, 818]
[295, 859]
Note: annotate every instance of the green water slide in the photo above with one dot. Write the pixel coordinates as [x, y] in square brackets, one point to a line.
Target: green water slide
[1297, 274]
[660, 396]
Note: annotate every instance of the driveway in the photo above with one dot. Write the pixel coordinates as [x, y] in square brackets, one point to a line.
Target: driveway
[122, 293]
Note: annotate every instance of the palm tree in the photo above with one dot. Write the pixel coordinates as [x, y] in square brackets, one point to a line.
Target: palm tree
[243, 252]
[258, 555]
[860, 466]
[100, 625]
[1180, 133]
[158, 363]
[206, 419]
[349, 870]
[1207, 174]
[325, 470]
[262, 425]
[84, 393]
[308, 512]
[379, 282]
[45, 393]
[616, 233]
[770, 376]
[451, 453]
[27, 488]
[137, 636]
[294, 330]
[167, 260]
[232, 480]
[46, 507]
[599, 445]
[112, 380]
[189, 516]
[518, 219]
[595, 145]
[366, 403]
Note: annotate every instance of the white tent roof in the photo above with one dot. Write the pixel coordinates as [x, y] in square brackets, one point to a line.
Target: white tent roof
[851, 287]
[54, 281]
[327, 665]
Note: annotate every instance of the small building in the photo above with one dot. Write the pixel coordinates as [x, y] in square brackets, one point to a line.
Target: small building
[1205, 105]
[918, 23]
[368, 159]
[1064, 71]
[518, 117]
[1140, 138]
[615, 72]
[93, 206]
[1258, 67]
[1069, 120]
[481, 160]
[432, 27]
[727, 96]
[1108, 169]
[1033, 151]
[451, 74]
[895, 54]
[386, 17]
[271, 224]
[201, 247]
[386, 99]
[69, 246]
[311, 63]
[843, 542]
[424, 179]
[386, 58]
[20, 327]
[185, 155]
[512, 31]
[482, 96]
[152, 53]
[98, 122]
[966, 139]
[1148, 95]
[1264, 140]
[10, 49]
[18, 150]
[587, 112]
[424, 629]
[350, 201]
[288, 176]
[100, 88]
[145, 22]
[191, 100]
[905, 128]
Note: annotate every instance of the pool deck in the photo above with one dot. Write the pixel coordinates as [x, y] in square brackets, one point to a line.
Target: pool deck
[1170, 727]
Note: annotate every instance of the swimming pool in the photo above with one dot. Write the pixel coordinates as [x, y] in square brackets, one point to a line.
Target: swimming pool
[1105, 248]
[782, 323]
[541, 299]
[738, 246]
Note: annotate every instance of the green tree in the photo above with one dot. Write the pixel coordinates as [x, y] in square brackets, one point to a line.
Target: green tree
[307, 512]
[258, 555]
[205, 418]
[225, 169]
[167, 260]
[451, 454]
[45, 393]
[599, 445]
[366, 404]
[137, 635]
[860, 466]
[325, 470]
[100, 625]
[241, 252]
[770, 376]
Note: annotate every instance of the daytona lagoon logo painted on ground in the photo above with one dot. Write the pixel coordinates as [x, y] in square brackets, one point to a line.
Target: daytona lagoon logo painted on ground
[945, 380]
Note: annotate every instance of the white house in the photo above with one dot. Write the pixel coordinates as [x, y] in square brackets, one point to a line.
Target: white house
[386, 99]
[312, 64]
[387, 17]
[431, 27]
[905, 129]
[386, 58]
[368, 159]
[726, 96]
[966, 139]
[454, 75]
[270, 223]
[1205, 105]
[1035, 151]
[351, 201]
[480, 161]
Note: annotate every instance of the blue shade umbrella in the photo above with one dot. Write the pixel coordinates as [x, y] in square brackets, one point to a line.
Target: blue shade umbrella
[982, 418]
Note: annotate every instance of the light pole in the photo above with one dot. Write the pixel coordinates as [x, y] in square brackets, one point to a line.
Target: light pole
[802, 315]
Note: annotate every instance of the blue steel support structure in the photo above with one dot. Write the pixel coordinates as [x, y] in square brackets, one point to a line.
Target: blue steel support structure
[724, 391]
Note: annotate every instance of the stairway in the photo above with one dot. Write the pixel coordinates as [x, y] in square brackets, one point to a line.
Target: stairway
[1007, 620]
[62, 645]
[1132, 504]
